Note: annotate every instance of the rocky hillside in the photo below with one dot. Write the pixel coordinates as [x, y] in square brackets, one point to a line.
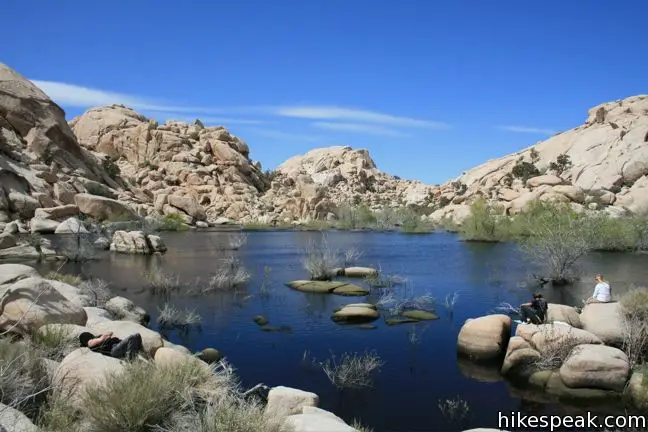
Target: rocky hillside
[206, 174]
[112, 162]
[601, 165]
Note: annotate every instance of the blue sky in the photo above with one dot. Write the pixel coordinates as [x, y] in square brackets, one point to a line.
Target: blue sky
[431, 88]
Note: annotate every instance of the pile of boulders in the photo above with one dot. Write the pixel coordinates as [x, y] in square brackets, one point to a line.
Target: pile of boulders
[573, 356]
[31, 304]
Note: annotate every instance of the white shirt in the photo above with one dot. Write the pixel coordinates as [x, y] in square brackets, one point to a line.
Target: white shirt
[602, 292]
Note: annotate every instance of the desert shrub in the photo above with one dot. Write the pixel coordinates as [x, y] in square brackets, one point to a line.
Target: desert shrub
[355, 216]
[270, 175]
[357, 425]
[411, 222]
[351, 256]
[387, 218]
[97, 291]
[459, 187]
[454, 410]
[183, 319]
[232, 274]
[65, 278]
[237, 241]
[485, 223]
[634, 304]
[146, 395]
[57, 414]
[618, 234]
[562, 163]
[352, 370]
[320, 261]
[524, 170]
[53, 342]
[394, 304]
[173, 222]
[554, 353]
[111, 167]
[507, 180]
[22, 379]
[383, 280]
[231, 415]
[162, 284]
[535, 156]
[557, 239]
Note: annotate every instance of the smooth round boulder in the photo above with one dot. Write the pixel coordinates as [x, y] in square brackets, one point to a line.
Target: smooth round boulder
[83, 369]
[485, 338]
[562, 313]
[285, 401]
[605, 321]
[596, 366]
[355, 314]
[210, 355]
[553, 337]
[12, 420]
[177, 347]
[10, 273]
[124, 309]
[169, 357]
[327, 287]
[97, 315]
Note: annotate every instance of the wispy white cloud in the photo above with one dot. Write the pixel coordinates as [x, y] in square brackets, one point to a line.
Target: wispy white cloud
[338, 113]
[72, 95]
[370, 129]
[526, 129]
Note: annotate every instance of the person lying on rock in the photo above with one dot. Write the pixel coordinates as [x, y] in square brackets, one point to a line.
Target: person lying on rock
[534, 312]
[109, 345]
[602, 291]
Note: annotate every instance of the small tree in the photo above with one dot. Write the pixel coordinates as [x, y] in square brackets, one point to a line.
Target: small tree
[562, 164]
[525, 170]
[535, 156]
[557, 239]
[485, 222]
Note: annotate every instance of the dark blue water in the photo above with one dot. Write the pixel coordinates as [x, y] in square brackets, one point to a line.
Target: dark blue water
[421, 366]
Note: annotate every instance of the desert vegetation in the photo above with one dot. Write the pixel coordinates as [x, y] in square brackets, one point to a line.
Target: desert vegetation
[352, 370]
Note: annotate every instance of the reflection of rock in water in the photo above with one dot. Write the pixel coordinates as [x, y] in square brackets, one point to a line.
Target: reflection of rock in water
[484, 372]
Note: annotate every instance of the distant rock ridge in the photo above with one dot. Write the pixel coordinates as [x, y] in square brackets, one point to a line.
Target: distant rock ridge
[113, 161]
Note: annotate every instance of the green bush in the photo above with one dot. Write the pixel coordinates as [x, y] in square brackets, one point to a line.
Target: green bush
[618, 234]
[634, 304]
[355, 216]
[562, 163]
[485, 223]
[412, 223]
[525, 170]
[173, 222]
[111, 167]
[98, 190]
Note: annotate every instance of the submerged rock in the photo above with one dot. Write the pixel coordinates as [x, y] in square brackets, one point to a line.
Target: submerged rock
[209, 355]
[275, 329]
[339, 288]
[420, 315]
[395, 320]
[261, 320]
[356, 313]
[359, 272]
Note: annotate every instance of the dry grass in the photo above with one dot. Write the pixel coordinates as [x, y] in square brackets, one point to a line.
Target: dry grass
[352, 370]
[634, 316]
[237, 241]
[172, 317]
[319, 261]
[230, 276]
[357, 425]
[163, 284]
[395, 305]
[454, 410]
[351, 256]
[558, 348]
[97, 291]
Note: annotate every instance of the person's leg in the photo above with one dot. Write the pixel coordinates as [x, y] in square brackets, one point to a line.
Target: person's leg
[527, 313]
[129, 347]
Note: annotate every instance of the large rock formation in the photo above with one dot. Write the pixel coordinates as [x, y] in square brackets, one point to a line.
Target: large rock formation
[609, 164]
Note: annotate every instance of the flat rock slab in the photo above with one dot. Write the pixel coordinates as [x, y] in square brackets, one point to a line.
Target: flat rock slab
[355, 313]
[326, 287]
[420, 315]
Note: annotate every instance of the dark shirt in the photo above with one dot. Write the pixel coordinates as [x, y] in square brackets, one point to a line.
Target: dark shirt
[540, 306]
[106, 347]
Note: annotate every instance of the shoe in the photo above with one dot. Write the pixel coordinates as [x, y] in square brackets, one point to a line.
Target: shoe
[519, 322]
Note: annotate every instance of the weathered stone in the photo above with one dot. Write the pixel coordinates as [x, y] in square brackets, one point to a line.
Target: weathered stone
[7, 241]
[604, 320]
[189, 205]
[355, 314]
[96, 315]
[341, 288]
[12, 420]
[123, 309]
[562, 313]
[313, 419]
[32, 302]
[71, 226]
[130, 242]
[596, 366]
[57, 213]
[103, 209]
[170, 357]
[83, 369]
[286, 401]
[485, 338]
[359, 272]
[43, 226]
[157, 245]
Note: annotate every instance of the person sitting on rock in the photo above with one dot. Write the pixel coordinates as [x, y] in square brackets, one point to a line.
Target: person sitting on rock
[109, 345]
[534, 312]
[602, 291]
